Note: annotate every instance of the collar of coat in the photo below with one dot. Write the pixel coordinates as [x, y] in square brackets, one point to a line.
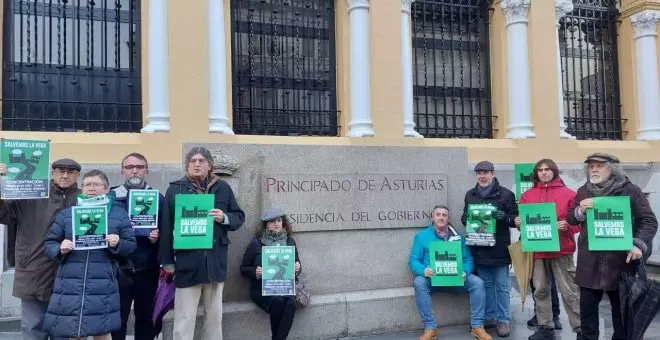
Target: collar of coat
[121, 192]
[453, 234]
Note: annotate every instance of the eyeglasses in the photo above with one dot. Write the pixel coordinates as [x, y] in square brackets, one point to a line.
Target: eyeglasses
[93, 185]
[65, 171]
[137, 166]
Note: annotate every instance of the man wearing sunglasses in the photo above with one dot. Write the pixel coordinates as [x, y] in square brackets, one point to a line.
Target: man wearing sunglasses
[34, 275]
[141, 271]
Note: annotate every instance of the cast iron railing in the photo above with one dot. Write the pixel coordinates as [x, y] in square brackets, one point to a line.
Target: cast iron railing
[71, 65]
[451, 68]
[588, 47]
[284, 67]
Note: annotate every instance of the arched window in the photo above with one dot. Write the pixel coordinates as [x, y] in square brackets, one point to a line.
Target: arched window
[284, 67]
[451, 85]
[588, 48]
[71, 65]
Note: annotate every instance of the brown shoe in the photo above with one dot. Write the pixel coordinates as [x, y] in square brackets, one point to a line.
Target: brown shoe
[429, 334]
[503, 330]
[480, 334]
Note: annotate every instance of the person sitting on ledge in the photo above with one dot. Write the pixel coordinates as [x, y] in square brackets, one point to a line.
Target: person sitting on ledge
[420, 265]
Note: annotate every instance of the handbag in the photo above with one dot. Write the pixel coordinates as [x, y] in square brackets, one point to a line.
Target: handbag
[303, 295]
[123, 272]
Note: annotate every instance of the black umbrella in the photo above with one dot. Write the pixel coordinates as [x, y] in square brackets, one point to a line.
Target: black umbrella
[640, 302]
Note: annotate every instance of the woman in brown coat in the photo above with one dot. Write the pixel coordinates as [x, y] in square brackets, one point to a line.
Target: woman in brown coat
[600, 271]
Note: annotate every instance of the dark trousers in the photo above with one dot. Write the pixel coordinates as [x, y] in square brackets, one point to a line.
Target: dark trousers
[281, 310]
[589, 301]
[553, 295]
[142, 291]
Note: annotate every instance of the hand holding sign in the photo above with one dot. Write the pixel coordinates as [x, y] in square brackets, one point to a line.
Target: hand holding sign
[634, 254]
[112, 240]
[428, 272]
[153, 236]
[66, 246]
[218, 215]
[3, 169]
[562, 225]
[586, 204]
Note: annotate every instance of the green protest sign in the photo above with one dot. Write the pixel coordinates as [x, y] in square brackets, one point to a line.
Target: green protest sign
[193, 224]
[609, 224]
[447, 263]
[28, 171]
[523, 177]
[143, 208]
[480, 225]
[278, 265]
[538, 229]
[90, 227]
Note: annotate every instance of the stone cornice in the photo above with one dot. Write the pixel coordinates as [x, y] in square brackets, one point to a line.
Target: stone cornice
[645, 23]
[515, 11]
[631, 7]
[406, 5]
[353, 4]
[563, 7]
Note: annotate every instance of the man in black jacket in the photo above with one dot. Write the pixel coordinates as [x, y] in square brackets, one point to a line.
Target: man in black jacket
[142, 267]
[492, 261]
[199, 272]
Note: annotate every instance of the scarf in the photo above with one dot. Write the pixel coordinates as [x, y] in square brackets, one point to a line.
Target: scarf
[96, 201]
[271, 238]
[203, 185]
[483, 192]
[607, 187]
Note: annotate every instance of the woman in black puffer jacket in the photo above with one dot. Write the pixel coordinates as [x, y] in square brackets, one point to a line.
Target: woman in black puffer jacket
[275, 230]
[85, 300]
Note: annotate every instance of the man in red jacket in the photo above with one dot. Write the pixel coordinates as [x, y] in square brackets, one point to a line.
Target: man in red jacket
[549, 187]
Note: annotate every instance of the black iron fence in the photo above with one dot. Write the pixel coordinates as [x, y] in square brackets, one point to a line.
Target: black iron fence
[451, 73]
[71, 65]
[284, 67]
[588, 47]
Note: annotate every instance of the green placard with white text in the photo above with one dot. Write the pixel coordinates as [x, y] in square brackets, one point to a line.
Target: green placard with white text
[480, 225]
[193, 224]
[278, 264]
[538, 229]
[446, 259]
[28, 168]
[609, 224]
[523, 173]
[143, 208]
[90, 227]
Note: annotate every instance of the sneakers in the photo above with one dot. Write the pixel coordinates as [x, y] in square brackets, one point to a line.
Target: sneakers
[490, 324]
[480, 334]
[503, 330]
[557, 323]
[543, 333]
[429, 334]
[533, 322]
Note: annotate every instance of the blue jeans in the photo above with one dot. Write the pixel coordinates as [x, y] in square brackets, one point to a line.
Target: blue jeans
[498, 287]
[473, 285]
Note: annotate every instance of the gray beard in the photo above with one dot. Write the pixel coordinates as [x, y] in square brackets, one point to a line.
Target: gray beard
[134, 183]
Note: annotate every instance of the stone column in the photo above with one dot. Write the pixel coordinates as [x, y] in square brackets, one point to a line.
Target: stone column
[218, 121]
[360, 78]
[406, 59]
[520, 119]
[562, 7]
[158, 117]
[648, 90]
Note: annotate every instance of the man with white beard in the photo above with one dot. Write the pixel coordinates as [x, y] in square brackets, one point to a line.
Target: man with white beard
[139, 276]
[599, 271]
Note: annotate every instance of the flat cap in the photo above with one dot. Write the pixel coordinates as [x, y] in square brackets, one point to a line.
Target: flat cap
[66, 163]
[484, 166]
[602, 158]
[271, 214]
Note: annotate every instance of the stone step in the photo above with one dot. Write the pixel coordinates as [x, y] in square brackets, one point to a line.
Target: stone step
[10, 336]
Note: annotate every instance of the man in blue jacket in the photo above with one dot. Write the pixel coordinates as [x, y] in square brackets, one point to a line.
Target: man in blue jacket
[143, 266]
[419, 264]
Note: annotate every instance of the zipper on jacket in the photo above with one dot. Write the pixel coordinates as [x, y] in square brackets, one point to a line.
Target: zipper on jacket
[82, 304]
[546, 192]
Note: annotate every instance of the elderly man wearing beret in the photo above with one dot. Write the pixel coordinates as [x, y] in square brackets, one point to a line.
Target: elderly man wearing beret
[599, 271]
[35, 273]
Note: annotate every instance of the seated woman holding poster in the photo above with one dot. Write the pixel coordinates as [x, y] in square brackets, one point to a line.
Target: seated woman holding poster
[442, 262]
[273, 290]
[84, 240]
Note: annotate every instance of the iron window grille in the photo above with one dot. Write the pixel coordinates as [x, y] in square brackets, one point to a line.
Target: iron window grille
[71, 65]
[451, 71]
[284, 67]
[590, 71]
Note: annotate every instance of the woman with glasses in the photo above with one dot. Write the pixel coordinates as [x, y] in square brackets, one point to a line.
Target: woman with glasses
[85, 299]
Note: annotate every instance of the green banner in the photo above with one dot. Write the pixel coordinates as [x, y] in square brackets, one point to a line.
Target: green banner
[278, 265]
[480, 225]
[609, 224]
[447, 263]
[523, 173]
[90, 227]
[193, 224]
[28, 171]
[539, 230]
[143, 208]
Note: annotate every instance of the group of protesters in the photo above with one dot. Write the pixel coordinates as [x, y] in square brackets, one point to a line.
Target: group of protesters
[486, 268]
